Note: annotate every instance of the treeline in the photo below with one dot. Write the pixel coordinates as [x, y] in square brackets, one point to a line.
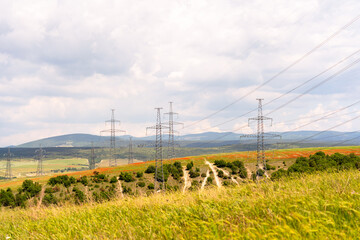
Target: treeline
[319, 162]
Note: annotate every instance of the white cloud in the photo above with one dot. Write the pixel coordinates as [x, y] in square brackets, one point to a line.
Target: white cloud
[65, 64]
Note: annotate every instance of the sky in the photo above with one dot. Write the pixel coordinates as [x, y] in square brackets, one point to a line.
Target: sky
[65, 64]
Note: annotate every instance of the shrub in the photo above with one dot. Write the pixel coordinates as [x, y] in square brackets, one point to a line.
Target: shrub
[243, 173]
[126, 176]
[189, 165]
[84, 180]
[194, 174]
[151, 186]
[127, 190]
[203, 175]
[139, 174]
[220, 173]
[113, 179]
[220, 163]
[209, 180]
[140, 184]
[49, 198]
[150, 169]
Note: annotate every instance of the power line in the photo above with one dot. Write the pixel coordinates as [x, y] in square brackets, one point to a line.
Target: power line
[39, 156]
[288, 92]
[316, 134]
[158, 150]
[131, 153]
[8, 173]
[279, 73]
[113, 131]
[171, 123]
[316, 86]
[260, 138]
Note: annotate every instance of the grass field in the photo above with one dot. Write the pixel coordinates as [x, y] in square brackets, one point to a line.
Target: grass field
[321, 206]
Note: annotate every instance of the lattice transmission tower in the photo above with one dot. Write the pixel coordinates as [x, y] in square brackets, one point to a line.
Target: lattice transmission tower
[158, 150]
[39, 155]
[112, 131]
[8, 172]
[171, 123]
[92, 157]
[260, 136]
[131, 153]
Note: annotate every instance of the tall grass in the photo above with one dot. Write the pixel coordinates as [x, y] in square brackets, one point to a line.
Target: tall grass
[321, 206]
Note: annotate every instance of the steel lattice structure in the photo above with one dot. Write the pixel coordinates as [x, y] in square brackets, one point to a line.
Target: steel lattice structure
[92, 157]
[158, 149]
[39, 156]
[131, 153]
[260, 136]
[8, 173]
[112, 131]
[171, 123]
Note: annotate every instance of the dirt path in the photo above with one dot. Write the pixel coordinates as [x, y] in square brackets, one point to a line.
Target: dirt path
[42, 193]
[120, 189]
[249, 173]
[217, 180]
[205, 179]
[187, 182]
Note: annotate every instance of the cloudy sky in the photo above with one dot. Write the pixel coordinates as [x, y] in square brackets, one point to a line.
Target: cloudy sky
[65, 64]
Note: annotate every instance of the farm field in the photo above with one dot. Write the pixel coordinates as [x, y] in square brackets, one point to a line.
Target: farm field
[23, 167]
[275, 158]
[310, 207]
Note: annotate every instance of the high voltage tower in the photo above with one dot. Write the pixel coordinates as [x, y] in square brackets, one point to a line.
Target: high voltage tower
[39, 156]
[112, 130]
[8, 155]
[261, 161]
[171, 123]
[158, 149]
[131, 153]
[92, 157]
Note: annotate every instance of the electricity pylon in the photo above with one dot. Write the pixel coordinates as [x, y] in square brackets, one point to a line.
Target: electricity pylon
[8, 155]
[158, 149]
[131, 153]
[261, 161]
[39, 156]
[112, 130]
[92, 157]
[171, 123]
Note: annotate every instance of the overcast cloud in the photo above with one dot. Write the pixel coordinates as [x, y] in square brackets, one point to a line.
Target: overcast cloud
[65, 64]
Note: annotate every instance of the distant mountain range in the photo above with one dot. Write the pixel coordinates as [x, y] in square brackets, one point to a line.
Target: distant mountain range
[207, 139]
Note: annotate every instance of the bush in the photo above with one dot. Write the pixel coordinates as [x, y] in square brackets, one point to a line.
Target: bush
[140, 184]
[150, 169]
[203, 175]
[209, 180]
[49, 198]
[7, 198]
[127, 190]
[151, 186]
[220, 173]
[84, 180]
[139, 174]
[79, 196]
[278, 174]
[220, 163]
[243, 173]
[189, 165]
[194, 174]
[126, 176]
[260, 172]
[30, 189]
[113, 179]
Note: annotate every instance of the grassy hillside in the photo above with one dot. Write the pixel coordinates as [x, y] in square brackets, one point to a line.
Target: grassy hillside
[321, 206]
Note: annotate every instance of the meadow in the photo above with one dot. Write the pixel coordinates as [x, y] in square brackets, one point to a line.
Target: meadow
[321, 206]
